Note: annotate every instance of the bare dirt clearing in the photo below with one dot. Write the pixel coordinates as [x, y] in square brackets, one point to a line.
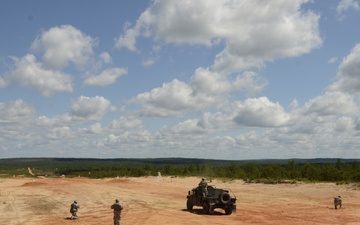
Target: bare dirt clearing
[162, 200]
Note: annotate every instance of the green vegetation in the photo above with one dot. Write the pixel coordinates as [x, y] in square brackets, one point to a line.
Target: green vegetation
[340, 171]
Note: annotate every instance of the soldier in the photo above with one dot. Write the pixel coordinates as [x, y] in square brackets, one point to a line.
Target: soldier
[203, 185]
[74, 209]
[337, 202]
[117, 207]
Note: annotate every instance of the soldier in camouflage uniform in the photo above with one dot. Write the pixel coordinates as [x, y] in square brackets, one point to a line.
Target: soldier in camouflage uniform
[74, 209]
[203, 185]
[337, 202]
[117, 207]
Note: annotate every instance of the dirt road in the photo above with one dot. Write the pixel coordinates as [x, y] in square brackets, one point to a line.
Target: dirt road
[162, 201]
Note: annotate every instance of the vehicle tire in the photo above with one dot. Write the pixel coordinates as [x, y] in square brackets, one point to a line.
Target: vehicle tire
[228, 211]
[211, 210]
[189, 205]
[225, 198]
[206, 208]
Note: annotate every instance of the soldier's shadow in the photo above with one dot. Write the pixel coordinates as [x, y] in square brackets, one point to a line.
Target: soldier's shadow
[69, 218]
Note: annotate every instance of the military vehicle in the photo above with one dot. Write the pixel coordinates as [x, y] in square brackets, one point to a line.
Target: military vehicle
[215, 198]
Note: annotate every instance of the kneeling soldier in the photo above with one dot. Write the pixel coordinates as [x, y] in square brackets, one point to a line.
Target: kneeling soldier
[337, 202]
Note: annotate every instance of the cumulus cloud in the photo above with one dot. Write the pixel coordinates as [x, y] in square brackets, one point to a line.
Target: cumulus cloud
[260, 112]
[17, 111]
[208, 123]
[172, 98]
[208, 83]
[60, 46]
[64, 44]
[89, 108]
[105, 57]
[95, 129]
[345, 5]
[129, 39]
[186, 127]
[45, 121]
[344, 124]
[290, 31]
[332, 103]
[348, 79]
[124, 123]
[60, 133]
[332, 60]
[32, 74]
[148, 62]
[107, 77]
[206, 89]
[3, 83]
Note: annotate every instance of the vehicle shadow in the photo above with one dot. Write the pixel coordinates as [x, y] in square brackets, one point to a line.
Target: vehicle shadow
[200, 212]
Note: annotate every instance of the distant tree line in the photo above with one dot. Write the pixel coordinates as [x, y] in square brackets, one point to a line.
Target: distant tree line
[335, 172]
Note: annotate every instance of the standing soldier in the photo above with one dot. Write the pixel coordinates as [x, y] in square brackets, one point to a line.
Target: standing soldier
[117, 207]
[203, 185]
[73, 209]
[337, 202]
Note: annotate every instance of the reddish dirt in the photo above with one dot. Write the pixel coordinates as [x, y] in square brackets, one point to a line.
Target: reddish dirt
[162, 200]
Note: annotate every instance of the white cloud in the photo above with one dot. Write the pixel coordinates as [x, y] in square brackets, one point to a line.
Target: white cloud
[206, 124]
[62, 45]
[332, 103]
[148, 62]
[348, 73]
[344, 124]
[128, 40]
[277, 29]
[260, 112]
[345, 5]
[208, 83]
[60, 133]
[89, 108]
[3, 83]
[206, 89]
[96, 129]
[105, 57]
[32, 74]
[45, 121]
[249, 82]
[16, 112]
[107, 77]
[172, 98]
[186, 127]
[332, 60]
[126, 123]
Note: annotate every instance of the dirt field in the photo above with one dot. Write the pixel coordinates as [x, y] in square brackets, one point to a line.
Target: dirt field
[162, 200]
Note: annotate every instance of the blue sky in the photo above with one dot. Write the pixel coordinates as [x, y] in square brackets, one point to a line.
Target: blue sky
[225, 79]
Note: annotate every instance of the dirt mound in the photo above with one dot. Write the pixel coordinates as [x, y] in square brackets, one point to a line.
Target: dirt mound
[119, 180]
[33, 184]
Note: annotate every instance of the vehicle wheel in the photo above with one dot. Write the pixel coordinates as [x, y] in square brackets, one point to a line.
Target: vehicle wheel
[225, 198]
[189, 206]
[211, 210]
[206, 208]
[228, 211]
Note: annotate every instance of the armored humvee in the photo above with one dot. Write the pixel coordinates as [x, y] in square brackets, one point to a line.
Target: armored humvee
[215, 198]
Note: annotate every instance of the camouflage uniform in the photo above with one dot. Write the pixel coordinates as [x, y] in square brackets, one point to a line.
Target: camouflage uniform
[337, 202]
[203, 185]
[117, 207]
[73, 209]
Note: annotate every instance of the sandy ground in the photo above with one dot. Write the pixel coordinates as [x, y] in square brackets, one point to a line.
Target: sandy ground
[162, 200]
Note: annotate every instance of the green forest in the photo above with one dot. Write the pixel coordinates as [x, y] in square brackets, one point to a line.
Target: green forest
[265, 171]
